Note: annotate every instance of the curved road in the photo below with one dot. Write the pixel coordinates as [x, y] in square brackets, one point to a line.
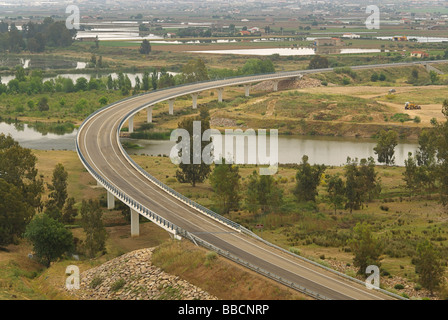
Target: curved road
[98, 144]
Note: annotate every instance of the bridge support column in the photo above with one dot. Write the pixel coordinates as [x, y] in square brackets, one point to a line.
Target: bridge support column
[247, 89]
[110, 201]
[220, 92]
[171, 103]
[276, 85]
[149, 114]
[195, 100]
[131, 124]
[135, 223]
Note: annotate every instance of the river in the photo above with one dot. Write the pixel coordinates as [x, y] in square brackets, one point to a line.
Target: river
[320, 150]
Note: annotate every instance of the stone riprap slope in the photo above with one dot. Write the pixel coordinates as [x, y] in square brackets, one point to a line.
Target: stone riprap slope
[132, 276]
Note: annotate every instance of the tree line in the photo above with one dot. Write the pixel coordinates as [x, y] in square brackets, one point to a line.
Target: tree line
[25, 214]
[35, 37]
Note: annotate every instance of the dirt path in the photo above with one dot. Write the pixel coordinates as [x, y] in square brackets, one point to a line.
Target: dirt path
[271, 108]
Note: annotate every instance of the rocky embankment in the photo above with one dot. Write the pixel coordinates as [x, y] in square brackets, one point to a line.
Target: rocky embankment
[305, 82]
[132, 276]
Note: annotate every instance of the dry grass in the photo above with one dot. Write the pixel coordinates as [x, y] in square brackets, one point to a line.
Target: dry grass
[219, 277]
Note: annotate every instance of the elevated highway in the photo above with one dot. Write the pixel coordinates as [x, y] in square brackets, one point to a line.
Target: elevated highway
[98, 146]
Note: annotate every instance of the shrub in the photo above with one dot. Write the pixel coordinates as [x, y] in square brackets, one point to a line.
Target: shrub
[96, 282]
[117, 285]
[211, 255]
[399, 286]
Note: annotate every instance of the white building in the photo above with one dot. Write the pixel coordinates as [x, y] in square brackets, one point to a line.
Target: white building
[351, 36]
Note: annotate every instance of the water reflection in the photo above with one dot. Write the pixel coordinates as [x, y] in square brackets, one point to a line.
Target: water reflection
[320, 150]
[42, 62]
[42, 136]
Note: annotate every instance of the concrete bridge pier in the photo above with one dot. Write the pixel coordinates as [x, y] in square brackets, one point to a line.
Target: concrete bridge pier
[195, 100]
[171, 103]
[220, 92]
[135, 223]
[149, 114]
[131, 124]
[247, 89]
[276, 84]
[110, 201]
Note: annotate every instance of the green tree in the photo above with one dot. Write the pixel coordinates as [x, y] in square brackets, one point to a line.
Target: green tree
[82, 84]
[263, 193]
[251, 199]
[58, 187]
[43, 104]
[225, 181]
[69, 212]
[366, 249]
[307, 180]
[257, 66]
[385, 148]
[154, 79]
[20, 74]
[94, 229]
[195, 71]
[49, 237]
[413, 78]
[336, 191]
[18, 168]
[145, 47]
[410, 175]
[190, 172]
[103, 100]
[369, 178]
[354, 188]
[145, 81]
[429, 266]
[110, 82]
[15, 214]
[434, 77]
[52, 211]
[318, 62]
